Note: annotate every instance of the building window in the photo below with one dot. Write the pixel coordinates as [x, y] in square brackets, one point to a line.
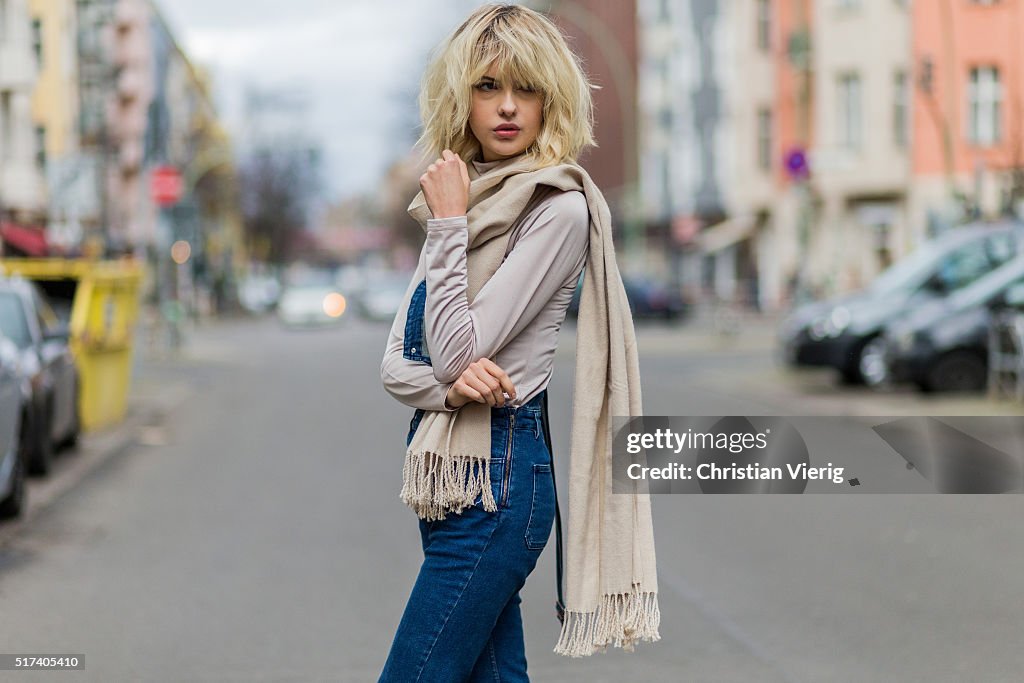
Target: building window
[850, 114]
[41, 147]
[764, 24]
[5, 122]
[900, 109]
[37, 40]
[764, 139]
[985, 101]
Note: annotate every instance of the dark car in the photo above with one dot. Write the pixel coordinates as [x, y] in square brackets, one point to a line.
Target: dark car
[845, 332]
[46, 361]
[647, 298]
[944, 346]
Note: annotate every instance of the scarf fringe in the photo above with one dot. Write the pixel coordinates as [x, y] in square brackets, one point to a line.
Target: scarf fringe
[621, 620]
[433, 485]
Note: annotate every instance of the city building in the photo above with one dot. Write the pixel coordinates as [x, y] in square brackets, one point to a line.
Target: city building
[71, 188]
[22, 188]
[967, 95]
[686, 137]
[604, 34]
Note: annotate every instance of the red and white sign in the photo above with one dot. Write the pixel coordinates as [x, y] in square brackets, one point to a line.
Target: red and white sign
[685, 228]
[166, 185]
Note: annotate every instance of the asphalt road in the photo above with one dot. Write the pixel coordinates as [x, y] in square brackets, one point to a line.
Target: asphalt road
[257, 535]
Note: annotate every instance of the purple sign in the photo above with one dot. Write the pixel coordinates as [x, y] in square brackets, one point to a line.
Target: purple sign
[796, 164]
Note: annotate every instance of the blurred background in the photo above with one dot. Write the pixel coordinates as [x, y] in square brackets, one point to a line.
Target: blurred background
[817, 210]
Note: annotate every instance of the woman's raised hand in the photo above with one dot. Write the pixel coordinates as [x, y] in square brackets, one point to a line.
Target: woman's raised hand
[445, 186]
[483, 381]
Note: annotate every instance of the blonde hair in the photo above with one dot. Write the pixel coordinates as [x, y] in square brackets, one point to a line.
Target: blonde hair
[527, 48]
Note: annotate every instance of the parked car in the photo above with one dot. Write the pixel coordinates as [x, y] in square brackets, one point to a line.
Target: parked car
[258, 293]
[14, 425]
[846, 332]
[311, 305]
[648, 298]
[46, 361]
[382, 296]
[944, 346]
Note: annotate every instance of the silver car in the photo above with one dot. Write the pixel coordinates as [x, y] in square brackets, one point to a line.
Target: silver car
[27, 319]
[14, 444]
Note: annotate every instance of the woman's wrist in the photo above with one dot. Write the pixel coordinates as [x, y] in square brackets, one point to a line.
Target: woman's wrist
[450, 405]
[450, 213]
[448, 219]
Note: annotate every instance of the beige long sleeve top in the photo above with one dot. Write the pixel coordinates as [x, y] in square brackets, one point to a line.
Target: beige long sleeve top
[516, 316]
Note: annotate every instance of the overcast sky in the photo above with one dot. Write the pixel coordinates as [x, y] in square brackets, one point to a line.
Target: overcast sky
[360, 60]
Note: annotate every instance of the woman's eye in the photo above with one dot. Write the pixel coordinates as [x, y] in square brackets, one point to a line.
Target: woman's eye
[485, 85]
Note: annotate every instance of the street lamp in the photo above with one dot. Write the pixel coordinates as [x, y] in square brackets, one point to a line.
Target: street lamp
[171, 298]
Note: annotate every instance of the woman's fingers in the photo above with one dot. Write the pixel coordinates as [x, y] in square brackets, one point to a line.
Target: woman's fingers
[500, 375]
[479, 382]
[483, 373]
[485, 382]
[461, 387]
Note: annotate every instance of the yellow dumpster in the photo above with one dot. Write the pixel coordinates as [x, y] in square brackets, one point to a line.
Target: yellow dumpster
[103, 300]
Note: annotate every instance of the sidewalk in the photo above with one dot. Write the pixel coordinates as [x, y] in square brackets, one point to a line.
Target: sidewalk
[817, 392]
[154, 394]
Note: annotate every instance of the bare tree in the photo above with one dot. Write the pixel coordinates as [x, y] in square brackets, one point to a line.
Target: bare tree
[275, 191]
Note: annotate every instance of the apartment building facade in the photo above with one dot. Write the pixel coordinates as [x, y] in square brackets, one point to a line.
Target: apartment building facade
[860, 157]
[70, 183]
[848, 132]
[968, 111]
[22, 189]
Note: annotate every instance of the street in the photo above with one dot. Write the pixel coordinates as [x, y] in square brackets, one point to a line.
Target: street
[256, 534]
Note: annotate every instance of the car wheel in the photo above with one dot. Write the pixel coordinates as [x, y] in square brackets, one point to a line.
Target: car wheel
[14, 504]
[850, 373]
[871, 363]
[958, 371]
[71, 440]
[42, 457]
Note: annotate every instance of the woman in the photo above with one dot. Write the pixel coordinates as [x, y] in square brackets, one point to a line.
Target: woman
[472, 349]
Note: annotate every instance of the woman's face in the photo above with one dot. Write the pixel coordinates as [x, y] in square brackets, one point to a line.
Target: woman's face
[505, 119]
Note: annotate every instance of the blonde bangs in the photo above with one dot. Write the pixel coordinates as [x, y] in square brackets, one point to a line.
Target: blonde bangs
[527, 49]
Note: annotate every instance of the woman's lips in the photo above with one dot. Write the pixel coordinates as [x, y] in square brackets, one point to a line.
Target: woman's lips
[506, 133]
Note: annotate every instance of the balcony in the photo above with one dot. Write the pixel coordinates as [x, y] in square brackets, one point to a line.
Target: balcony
[17, 67]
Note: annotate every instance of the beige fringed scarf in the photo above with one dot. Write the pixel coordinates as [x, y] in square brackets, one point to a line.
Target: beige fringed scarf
[610, 575]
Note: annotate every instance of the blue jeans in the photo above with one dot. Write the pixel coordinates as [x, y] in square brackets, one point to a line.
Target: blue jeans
[462, 622]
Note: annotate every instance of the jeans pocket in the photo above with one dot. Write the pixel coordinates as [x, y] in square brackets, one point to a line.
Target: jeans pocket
[542, 507]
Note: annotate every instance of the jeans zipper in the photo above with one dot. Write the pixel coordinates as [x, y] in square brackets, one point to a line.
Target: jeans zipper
[508, 461]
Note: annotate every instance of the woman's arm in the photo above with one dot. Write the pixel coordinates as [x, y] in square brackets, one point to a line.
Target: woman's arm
[410, 382]
[413, 382]
[548, 254]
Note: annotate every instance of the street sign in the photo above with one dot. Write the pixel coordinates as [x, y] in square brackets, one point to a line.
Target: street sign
[685, 228]
[796, 164]
[166, 185]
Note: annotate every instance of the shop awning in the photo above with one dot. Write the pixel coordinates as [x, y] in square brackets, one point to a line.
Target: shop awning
[23, 240]
[725, 234]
